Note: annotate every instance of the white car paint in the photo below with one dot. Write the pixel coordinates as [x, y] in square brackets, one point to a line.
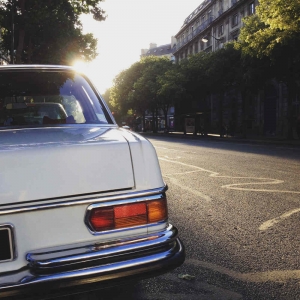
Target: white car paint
[44, 163]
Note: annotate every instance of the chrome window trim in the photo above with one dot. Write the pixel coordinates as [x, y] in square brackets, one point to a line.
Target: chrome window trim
[91, 200]
[120, 202]
[12, 243]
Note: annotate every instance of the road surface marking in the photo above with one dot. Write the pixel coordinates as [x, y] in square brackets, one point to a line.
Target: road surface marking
[192, 191]
[181, 173]
[266, 225]
[233, 186]
[239, 187]
[257, 277]
[176, 157]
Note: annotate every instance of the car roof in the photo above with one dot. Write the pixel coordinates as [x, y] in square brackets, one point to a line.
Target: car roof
[36, 67]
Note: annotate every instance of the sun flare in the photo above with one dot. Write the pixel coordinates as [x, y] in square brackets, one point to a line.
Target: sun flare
[80, 66]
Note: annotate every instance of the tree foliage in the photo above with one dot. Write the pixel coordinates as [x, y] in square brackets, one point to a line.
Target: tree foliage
[276, 23]
[48, 32]
[152, 83]
[274, 33]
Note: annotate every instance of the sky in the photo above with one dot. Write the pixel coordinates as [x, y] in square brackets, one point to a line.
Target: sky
[131, 26]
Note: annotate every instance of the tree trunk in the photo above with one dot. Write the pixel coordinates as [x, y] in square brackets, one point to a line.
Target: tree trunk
[221, 125]
[165, 110]
[244, 124]
[156, 120]
[144, 122]
[291, 96]
[21, 33]
[153, 121]
[29, 52]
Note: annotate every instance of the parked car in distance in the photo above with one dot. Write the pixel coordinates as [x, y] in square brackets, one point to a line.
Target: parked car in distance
[82, 201]
[126, 127]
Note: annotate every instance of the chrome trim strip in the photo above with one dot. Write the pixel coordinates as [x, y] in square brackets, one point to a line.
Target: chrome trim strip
[12, 243]
[112, 270]
[22, 209]
[120, 202]
[48, 260]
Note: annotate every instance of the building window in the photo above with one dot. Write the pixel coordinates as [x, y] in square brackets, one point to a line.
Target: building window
[234, 20]
[203, 19]
[221, 30]
[235, 37]
[251, 8]
[209, 15]
[196, 47]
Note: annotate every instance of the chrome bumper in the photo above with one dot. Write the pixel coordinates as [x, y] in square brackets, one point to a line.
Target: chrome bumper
[143, 256]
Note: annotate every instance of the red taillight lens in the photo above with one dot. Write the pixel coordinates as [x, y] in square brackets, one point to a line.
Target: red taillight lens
[128, 215]
[102, 219]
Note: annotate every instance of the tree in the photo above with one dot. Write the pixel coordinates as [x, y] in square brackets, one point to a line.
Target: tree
[148, 85]
[196, 84]
[222, 74]
[274, 32]
[171, 88]
[48, 31]
[122, 91]
[138, 87]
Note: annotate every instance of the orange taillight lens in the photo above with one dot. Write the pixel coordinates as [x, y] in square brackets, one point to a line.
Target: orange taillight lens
[128, 215]
[157, 211]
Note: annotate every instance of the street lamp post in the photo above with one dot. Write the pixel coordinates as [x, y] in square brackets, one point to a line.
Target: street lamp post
[205, 39]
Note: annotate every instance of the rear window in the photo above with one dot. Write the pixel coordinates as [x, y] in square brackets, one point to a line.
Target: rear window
[37, 98]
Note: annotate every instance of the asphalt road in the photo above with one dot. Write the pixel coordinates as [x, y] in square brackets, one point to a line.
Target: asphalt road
[237, 209]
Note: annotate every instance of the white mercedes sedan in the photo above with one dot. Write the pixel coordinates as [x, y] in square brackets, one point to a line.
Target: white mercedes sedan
[82, 201]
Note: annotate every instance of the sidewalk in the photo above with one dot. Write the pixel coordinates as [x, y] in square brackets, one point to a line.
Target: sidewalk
[236, 139]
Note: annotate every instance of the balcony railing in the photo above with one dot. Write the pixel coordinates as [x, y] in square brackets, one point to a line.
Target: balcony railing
[196, 32]
[203, 26]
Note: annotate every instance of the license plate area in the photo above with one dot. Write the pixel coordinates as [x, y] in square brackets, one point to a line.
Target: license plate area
[6, 243]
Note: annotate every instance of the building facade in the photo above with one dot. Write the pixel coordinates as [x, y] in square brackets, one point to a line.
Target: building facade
[212, 24]
[163, 50]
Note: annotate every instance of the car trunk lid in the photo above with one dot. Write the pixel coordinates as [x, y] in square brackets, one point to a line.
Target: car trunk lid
[57, 162]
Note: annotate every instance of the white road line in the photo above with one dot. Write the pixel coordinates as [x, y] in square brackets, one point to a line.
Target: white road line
[257, 277]
[266, 225]
[177, 157]
[239, 187]
[233, 186]
[192, 191]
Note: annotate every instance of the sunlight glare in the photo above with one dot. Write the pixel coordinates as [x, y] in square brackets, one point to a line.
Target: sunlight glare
[80, 66]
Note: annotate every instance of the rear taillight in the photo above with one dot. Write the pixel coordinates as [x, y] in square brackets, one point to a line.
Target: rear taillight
[128, 215]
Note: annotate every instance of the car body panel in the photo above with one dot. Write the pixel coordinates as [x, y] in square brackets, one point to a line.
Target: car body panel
[52, 176]
[46, 157]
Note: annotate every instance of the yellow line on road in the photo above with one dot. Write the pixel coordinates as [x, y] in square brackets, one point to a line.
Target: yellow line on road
[257, 277]
[266, 225]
